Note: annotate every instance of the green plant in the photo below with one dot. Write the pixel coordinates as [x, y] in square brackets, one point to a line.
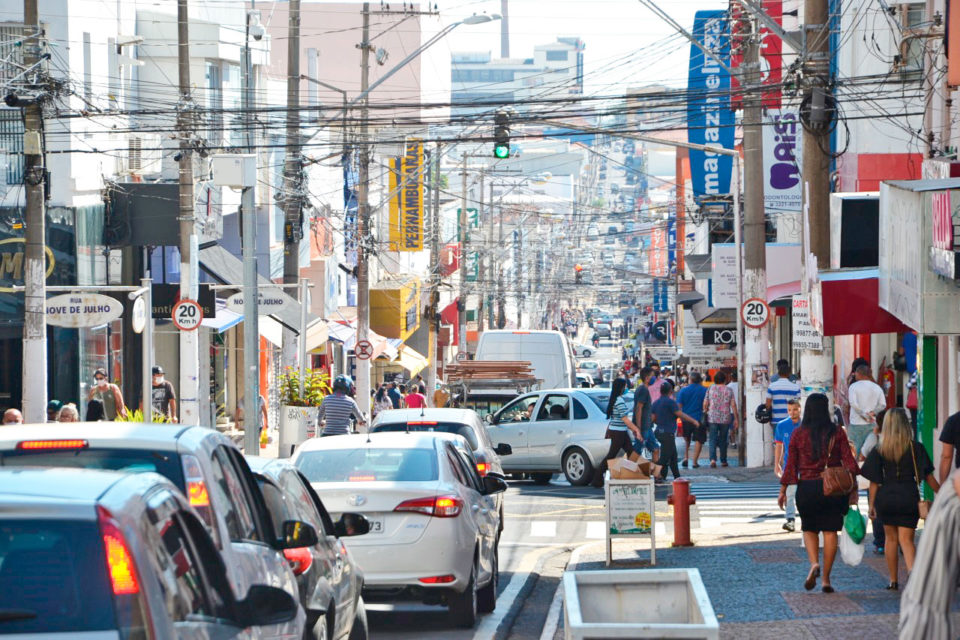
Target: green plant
[316, 386]
[136, 415]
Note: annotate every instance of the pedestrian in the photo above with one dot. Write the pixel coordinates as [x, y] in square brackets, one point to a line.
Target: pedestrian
[665, 413]
[381, 401]
[816, 445]
[656, 382]
[261, 414]
[94, 411]
[109, 394]
[618, 413]
[163, 400]
[53, 408]
[776, 376]
[12, 416]
[416, 399]
[879, 537]
[780, 390]
[950, 446]
[338, 408]
[866, 399]
[895, 469]
[68, 413]
[643, 416]
[781, 444]
[721, 413]
[395, 396]
[440, 396]
[690, 398]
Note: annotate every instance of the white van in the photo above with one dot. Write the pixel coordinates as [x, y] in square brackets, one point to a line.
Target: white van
[548, 352]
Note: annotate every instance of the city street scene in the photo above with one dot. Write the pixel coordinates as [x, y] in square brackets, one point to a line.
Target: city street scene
[494, 320]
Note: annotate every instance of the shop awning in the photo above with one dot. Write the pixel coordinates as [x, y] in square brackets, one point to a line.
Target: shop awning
[699, 264]
[347, 335]
[851, 304]
[687, 299]
[450, 313]
[225, 319]
[272, 330]
[410, 360]
[705, 314]
[783, 293]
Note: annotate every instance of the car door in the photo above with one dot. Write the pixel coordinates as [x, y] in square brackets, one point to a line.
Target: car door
[482, 510]
[549, 429]
[512, 426]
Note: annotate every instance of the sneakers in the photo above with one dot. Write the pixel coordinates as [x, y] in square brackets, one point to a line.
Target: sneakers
[789, 526]
[684, 463]
[724, 464]
[713, 464]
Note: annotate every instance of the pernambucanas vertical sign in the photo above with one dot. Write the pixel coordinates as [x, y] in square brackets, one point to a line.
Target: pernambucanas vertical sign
[406, 205]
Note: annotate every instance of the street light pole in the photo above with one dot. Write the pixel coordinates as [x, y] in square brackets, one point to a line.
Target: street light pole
[363, 217]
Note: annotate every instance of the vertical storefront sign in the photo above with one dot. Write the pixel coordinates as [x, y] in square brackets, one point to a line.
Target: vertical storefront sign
[406, 202]
[771, 52]
[350, 206]
[781, 148]
[658, 252]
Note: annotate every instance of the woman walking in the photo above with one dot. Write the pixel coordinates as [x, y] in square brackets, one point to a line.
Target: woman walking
[381, 401]
[895, 469]
[618, 412]
[817, 444]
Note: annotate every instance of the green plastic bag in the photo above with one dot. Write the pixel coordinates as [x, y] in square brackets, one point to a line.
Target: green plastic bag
[855, 524]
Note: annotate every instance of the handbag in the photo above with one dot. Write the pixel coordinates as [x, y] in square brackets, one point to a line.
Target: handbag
[837, 481]
[923, 506]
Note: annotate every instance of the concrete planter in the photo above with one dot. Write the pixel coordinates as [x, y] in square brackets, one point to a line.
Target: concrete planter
[643, 603]
[297, 424]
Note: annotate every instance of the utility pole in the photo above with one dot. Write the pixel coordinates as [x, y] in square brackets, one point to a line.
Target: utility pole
[490, 278]
[756, 341]
[363, 217]
[816, 367]
[464, 232]
[189, 343]
[292, 179]
[251, 329]
[433, 352]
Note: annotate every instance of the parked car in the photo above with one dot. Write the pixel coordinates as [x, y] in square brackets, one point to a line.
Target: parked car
[560, 430]
[105, 555]
[603, 329]
[203, 463]
[584, 380]
[592, 368]
[434, 528]
[582, 350]
[328, 578]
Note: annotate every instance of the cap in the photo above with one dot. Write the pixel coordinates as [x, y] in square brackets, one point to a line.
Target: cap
[100, 372]
[158, 370]
[54, 405]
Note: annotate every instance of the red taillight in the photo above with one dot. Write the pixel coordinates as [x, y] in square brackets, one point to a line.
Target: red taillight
[438, 507]
[483, 468]
[416, 423]
[33, 445]
[447, 579]
[300, 559]
[123, 572]
[197, 494]
[367, 478]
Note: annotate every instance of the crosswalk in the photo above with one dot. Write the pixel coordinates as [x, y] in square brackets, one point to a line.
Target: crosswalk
[568, 531]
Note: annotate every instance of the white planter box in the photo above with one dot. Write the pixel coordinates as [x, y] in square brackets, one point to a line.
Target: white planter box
[642, 603]
[297, 424]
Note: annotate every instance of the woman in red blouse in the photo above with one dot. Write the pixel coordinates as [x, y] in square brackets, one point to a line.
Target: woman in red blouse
[817, 444]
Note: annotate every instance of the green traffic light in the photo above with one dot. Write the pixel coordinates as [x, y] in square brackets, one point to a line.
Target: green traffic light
[501, 151]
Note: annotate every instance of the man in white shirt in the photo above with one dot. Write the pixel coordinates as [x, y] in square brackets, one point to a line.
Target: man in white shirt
[866, 401]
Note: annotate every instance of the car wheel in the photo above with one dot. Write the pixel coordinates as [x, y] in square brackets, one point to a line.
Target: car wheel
[541, 478]
[487, 595]
[319, 631]
[463, 606]
[577, 467]
[360, 631]
[587, 353]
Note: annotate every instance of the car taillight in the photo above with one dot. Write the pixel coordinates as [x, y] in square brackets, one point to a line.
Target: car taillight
[447, 579]
[438, 507]
[483, 468]
[300, 559]
[197, 494]
[418, 423]
[35, 445]
[132, 609]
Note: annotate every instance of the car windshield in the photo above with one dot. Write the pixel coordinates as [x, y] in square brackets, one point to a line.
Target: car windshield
[53, 578]
[369, 465]
[129, 460]
[457, 428]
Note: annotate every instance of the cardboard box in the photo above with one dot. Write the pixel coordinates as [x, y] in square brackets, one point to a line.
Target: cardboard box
[626, 469]
[644, 465]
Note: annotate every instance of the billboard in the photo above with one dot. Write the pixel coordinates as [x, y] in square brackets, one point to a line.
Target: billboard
[406, 199]
[782, 133]
[658, 252]
[709, 117]
[771, 52]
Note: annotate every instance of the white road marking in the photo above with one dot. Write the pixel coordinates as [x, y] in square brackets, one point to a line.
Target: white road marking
[596, 530]
[490, 623]
[543, 529]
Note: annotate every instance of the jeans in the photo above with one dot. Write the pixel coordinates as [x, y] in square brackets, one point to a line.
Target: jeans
[791, 501]
[648, 442]
[668, 454]
[858, 433]
[718, 437]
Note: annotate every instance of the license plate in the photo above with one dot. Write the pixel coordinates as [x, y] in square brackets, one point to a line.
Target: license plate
[376, 525]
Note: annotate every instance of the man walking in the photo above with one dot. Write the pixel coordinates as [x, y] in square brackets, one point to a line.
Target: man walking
[866, 401]
[395, 396]
[162, 398]
[690, 399]
[781, 444]
[665, 414]
[780, 391]
[642, 416]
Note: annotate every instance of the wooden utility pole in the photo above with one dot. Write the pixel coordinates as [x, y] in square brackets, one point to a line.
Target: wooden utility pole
[35, 267]
[363, 216]
[292, 179]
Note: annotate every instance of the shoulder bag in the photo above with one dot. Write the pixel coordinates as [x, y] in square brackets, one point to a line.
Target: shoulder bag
[837, 481]
[923, 506]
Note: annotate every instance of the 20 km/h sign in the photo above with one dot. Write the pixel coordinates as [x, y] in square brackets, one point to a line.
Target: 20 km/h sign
[187, 315]
[755, 313]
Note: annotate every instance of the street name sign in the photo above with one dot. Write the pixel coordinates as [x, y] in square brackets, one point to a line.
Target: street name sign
[138, 318]
[75, 310]
[269, 302]
[187, 315]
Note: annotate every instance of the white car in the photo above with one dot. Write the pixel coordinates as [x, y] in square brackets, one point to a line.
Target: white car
[434, 527]
[591, 368]
[582, 350]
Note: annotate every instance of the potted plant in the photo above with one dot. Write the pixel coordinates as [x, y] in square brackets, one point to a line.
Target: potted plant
[298, 411]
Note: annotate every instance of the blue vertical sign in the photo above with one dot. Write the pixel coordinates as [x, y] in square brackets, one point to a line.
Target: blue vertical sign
[661, 295]
[672, 245]
[351, 178]
[709, 117]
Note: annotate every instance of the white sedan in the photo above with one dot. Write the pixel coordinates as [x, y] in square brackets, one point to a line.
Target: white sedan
[582, 350]
[434, 526]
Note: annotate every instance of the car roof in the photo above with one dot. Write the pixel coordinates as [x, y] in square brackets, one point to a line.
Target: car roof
[382, 440]
[127, 435]
[464, 416]
[63, 483]
[259, 464]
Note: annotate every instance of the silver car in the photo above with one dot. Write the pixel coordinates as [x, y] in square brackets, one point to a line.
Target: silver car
[558, 430]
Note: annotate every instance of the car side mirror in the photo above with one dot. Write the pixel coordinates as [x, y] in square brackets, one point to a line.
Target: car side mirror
[266, 606]
[503, 449]
[489, 419]
[296, 533]
[494, 483]
[351, 524]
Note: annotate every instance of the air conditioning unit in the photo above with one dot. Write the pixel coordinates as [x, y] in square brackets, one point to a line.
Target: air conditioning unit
[143, 156]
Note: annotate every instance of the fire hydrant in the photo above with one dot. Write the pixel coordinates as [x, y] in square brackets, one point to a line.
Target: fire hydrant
[681, 501]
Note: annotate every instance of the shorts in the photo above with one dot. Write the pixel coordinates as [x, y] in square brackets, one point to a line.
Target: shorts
[858, 434]
[697, 434]
[648, 442]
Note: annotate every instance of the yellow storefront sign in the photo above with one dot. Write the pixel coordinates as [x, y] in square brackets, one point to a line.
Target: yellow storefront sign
[406, 199]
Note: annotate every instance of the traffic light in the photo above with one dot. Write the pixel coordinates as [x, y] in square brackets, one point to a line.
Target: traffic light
[501, 136]
[579, 273]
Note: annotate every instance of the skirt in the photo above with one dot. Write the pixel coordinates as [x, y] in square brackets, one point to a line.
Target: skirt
[896, 504]
[817, 511]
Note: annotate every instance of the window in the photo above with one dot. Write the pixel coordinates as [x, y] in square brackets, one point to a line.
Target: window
[455, 466]
[579, 411]
[276, 504]
[555, 407]
[912, 17]
[305, 503]
[557, 56]
[457, 428]
[11, 142]
[519, 410]
[227, 495]
[466, 468]
[369, 465]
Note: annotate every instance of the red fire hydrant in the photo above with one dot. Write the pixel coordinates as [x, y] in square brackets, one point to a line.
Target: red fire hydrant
[681, 501]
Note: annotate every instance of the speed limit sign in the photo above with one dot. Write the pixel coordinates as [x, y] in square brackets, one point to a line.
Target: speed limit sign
[187, 315]
[755, 313]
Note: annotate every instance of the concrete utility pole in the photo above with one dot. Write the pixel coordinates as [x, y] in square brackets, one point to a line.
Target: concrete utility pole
[251, 329]
[504, 29]
[433, 352]
[292, 179]
[490, 277]
[363, 216]
[756, 341]
[189, 340]
[464, 233]
[816, 367]
[35, 271]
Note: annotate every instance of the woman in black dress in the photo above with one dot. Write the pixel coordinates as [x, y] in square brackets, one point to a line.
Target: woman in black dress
[894, 469]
